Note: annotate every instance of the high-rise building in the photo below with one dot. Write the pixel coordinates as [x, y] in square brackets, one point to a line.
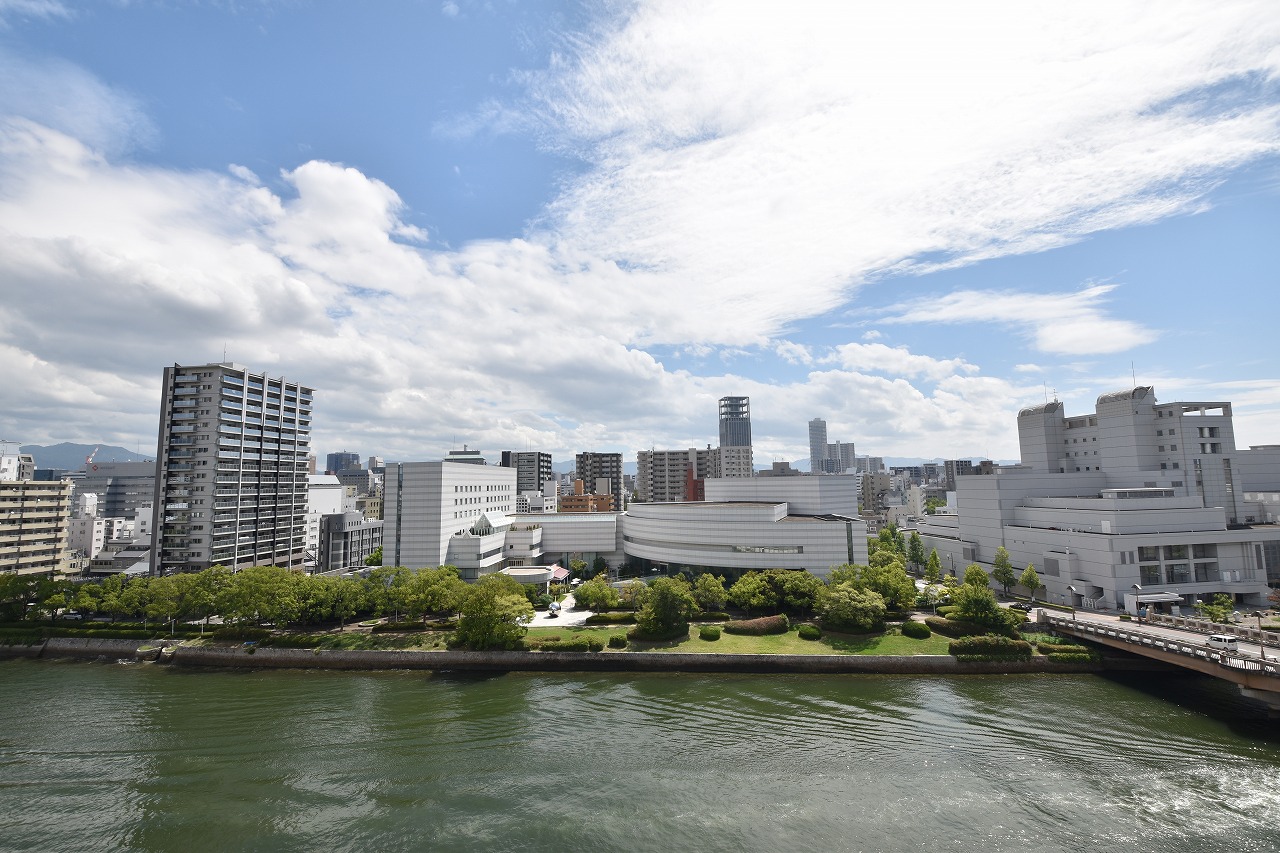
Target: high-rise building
[817, 445]
[122, 487]
[533, 469]
[34, 518]
[735, 421]
[341, 461]
[231, 470]
[592, 467]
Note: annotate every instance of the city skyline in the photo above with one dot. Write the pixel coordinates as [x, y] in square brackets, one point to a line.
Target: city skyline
[911, 222]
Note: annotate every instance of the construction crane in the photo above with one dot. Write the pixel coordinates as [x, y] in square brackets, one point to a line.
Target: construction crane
[88, 460]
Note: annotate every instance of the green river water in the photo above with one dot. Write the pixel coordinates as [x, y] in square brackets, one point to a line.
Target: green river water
[145, 757]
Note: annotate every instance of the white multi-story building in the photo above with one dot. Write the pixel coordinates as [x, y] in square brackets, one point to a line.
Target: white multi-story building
[231, 470]
[1139, 493]
[34, 517]
[429, 505]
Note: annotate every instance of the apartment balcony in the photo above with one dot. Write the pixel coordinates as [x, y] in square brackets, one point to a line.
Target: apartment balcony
[186, 391]
[184, 404]
[170, 506]
[184, 416]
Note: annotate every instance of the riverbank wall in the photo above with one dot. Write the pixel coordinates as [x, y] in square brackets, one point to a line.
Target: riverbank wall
[255, 657]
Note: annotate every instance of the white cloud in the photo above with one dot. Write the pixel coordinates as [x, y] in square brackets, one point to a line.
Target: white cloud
[1060, 323]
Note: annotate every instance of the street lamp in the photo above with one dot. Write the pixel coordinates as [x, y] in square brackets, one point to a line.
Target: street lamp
[1074, 593]
[1137, 604]
[1262, 641]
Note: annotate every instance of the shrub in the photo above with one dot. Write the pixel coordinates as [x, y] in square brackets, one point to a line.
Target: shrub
[1126, 617]
[714, 616]
[611, 619]
[947, 610]
[1048, 647]
[709, 632]
[758, 627]
[618, 641]
[396, 627]
[1071, 657]
[990, 646]
[442, 624]
[953, 627]
[916, 630]
[810, 632]
[637, 633]
[240, 632]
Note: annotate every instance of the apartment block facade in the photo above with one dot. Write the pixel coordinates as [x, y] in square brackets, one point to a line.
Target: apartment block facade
[231, 470]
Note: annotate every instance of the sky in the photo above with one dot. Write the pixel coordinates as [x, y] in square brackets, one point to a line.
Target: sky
[569, 226]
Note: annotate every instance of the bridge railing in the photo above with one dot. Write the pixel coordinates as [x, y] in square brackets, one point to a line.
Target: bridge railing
[1138, 638]
[1205, 626]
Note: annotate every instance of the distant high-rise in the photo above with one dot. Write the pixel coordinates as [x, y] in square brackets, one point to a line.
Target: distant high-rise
[533, 469]
[735, 421]
[231, 470]
[817, 444]
[592, 467]
[341, 461]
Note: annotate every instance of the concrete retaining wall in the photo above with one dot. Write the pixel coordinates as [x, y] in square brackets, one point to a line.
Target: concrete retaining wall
[268, 658]
[86, 648]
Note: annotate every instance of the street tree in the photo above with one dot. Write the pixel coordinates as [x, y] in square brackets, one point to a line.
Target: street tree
[709, 592]
[847, 608]
[1002, 570]
[1031, 580]
[933, 569]
[915, 551]
[1218, 610]
[975, 576]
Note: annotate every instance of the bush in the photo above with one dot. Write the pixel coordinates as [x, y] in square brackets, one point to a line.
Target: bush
[759, 627]
[947, 610]
[1071, 657]
[810, 632]
[548, 645]
[396, 627]
[708, 632]
[953, 627]
[611, 619]
[618, 641]
[990, 647]
[638, 634]
[442, 624]
[240, 632]
[916, 630]
[714, 616]
[1126, 617]
[1048, 647]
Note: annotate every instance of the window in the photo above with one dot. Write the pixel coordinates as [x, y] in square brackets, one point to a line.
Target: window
[1178, 573]
[1160, 448]
[1175, 552]
[1149, 553]
[1208, 551]
[1173, 447]
[1159, 432]
[1150, 575]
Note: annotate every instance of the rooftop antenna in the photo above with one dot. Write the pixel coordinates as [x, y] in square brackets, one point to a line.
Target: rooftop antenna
[1133, 373]
[224, 352]
[1046, 392]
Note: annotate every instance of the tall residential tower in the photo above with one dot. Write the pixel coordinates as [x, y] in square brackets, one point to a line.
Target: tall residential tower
[231, 470]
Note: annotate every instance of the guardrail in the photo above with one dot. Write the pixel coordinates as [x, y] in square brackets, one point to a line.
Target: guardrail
[1205, 626]
[1137, 638]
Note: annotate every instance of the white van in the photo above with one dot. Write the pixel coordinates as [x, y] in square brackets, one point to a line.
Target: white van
[1223, 642]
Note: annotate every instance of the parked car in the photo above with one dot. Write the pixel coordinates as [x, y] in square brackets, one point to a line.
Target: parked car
[1023, 606]
[72, 615]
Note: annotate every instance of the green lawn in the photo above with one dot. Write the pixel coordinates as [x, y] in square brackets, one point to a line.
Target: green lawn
[891, 643]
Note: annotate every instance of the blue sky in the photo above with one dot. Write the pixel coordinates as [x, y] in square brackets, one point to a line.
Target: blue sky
[567, 226]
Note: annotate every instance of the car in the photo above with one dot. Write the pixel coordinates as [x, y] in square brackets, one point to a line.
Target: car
[72, 615]
[1023, 606]
[1223, 642]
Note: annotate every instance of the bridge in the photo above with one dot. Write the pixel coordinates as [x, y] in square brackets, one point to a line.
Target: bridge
[1253, 669]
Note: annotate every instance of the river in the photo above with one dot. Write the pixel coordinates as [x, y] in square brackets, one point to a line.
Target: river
[152, 758]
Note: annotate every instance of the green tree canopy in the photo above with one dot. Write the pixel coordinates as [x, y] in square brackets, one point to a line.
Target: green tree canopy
[933, 569]
[977, 604]
[915, 550]
[374, 559]
[1031, 580]
[1002, 570]
[709, 592]
[975, 576]
[753, 593]
[1218, 610]
[667, 606]
[494, 614]
[848, 608]
[891, 582]
[596, 594]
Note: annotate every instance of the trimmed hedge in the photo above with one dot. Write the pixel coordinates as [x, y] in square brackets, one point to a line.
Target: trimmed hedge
[916, 630]
[240, 632]
[618, 641]
[759, 627]
[579, 644]
[946, 610]
[709, 632]
[1071, 657]
[611, 619]
[810, 632]
[1048, 648]
[638, 634]
[713, 616]
[954, 627]
[989, 647]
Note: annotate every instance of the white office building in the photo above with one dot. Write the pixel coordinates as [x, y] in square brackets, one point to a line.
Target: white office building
[1139, 497]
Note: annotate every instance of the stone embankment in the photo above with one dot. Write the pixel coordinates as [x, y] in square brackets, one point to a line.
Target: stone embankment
[254, 657]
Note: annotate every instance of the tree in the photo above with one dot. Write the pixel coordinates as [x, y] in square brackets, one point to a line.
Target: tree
[709, 592]
[1219, 610]
[915, 550]
[633, 594]
[374, 559]
[596, 594]
[933, 570]
[975, 576]
[752, 592]
[796, 591]
[494, 614]
[847, 608]
[599, 565]
[385, 588]
[1031, 580]
[435, 590]
[977, 604]
[890, 581]
[932, 505]
[1002, 570]
[577, 568]
[668, 604]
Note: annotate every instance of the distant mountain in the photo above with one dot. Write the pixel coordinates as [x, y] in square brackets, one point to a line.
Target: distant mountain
[71, 456]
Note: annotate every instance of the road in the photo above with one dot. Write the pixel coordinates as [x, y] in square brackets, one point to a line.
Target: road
[1190, 638]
